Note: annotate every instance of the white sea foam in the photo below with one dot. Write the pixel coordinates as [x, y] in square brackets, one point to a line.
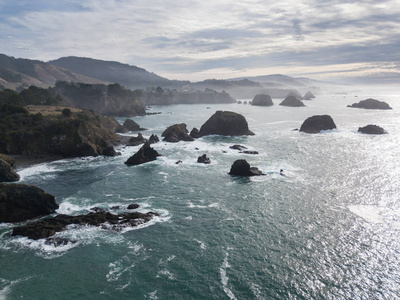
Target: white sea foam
[7, 285]
[224, 278]
[45, 170]
[166, 273]
[191, 205]
[370, 213]
[202, 245]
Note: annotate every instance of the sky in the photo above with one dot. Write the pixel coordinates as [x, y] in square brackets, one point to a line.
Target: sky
[340, 40]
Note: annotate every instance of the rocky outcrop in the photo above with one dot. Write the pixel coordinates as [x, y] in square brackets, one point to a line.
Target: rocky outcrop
[316, 124]
[144, 155]
[176, 133]
[242, 168]
[135, 141]
[132, 125]
[7, 173]
[153, 139]
[225, 123]
[204, 159]
[21, 202]
[49, 227]
[238, 147]
[372, 129]
[308, 96]
[195, 133]
[371, 104]
[262, 100]
[292, 101]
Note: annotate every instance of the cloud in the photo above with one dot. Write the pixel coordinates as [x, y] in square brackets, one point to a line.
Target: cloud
[181, 37]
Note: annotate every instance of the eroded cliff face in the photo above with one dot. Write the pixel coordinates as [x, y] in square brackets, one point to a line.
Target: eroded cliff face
[82, 133]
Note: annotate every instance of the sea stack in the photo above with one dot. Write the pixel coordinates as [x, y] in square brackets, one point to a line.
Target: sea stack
[262, 100]
[292, 101]
[371, 104]
[316, 124]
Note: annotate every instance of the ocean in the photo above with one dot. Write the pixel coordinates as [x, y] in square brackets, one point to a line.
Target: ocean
[328, 229]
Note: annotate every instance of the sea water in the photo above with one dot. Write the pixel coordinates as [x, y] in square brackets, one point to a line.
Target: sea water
[328, 229]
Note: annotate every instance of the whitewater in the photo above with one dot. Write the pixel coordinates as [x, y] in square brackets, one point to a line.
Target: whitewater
[328, 229]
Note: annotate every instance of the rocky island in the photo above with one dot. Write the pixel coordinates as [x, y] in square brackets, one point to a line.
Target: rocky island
[371, 104]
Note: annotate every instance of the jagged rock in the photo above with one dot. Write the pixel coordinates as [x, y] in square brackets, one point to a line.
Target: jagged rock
[262, 100]
[371, 104]
[242, 168]
[308, 96]
[133, 206]
[176, 133]
[135, 141]
[204, 159]
[292, 101]
[225, 123]
[110, 151]
[144, 155]
[372, 129]
[49, 227]
[153, 139]
[238, 147]
[7, 173]
[132, 125]
[21, 202]
[8, 159]
[178, 162]
[195, 133]
[316, 124]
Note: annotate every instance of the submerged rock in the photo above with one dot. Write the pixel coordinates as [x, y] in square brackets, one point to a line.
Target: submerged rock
[21, 202]
[7, 173]
[372, 129]
[242, 168]
[176, 133]
[49, 227]
[144, 155]
[238, 147]
[371, 104]
[225, 123]
[262, 100]
[316, 124]
[292, 101]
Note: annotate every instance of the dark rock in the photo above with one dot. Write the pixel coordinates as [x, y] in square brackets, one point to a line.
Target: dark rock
[8, 159]
[121, 129]
[308, 96]
[133, 206]
[21, 202]
[242, 168]
[56, 242]
[153, 139]
[135, 141]
[176, 133]
[239, 102]
[144, 155]
[178, 162]
[225, 123]
[115, 207]
[262, 100]
[97, 209]
[238, 147]
[204, 159]
[195, 133]
[132, 125]
[249, 152]
[371, 104]
[372, 129]
[49, 227]
[292, 101]
[110, 151]
[316, 124]
[244, 102]
[7, 173]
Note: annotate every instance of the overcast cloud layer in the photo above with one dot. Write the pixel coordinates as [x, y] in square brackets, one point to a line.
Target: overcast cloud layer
[195, 40]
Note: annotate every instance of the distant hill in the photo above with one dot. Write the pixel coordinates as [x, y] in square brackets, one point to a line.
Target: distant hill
[19, 73]
[131, 77]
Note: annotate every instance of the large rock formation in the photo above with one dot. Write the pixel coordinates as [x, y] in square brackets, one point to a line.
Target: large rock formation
[292, 101]
[225, 123]
[372, 129]
[49, 227]
[7, 173]
[308, 96]
[136, 141]
[21, 202]
[176, 133]
[371, 104]
[242, 168]
[144, 155]
[316, 124]
[132, 125]
[262, 100]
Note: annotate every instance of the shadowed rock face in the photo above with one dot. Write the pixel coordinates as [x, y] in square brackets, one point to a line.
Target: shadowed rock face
[316, 124]
[7, 173]
[144, 155]
[176, 133]
[21, 202]
[225, 123]
[292, 101]
[372, 129]
[371, 104]
[242, 168]
[262, 100]
[131, 125]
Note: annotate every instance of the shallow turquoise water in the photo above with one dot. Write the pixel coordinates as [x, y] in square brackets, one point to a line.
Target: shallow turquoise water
[329, 229]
